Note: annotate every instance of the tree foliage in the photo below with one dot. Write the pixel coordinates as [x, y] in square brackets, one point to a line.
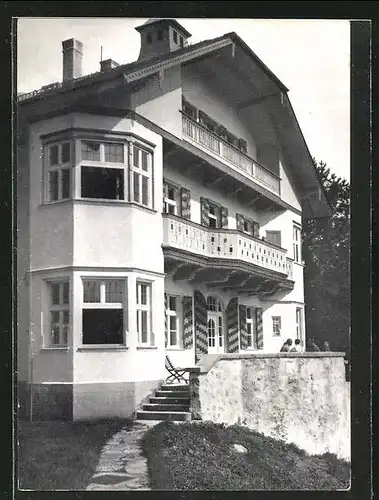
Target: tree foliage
[326, 252]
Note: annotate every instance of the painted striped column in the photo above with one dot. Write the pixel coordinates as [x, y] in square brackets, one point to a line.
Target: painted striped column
[201, 333]
[165, 320]
[243, 327]
[259, 327]
[187, 323]
[232, 322]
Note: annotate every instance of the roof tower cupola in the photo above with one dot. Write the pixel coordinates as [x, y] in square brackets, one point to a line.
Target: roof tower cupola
[160, 37]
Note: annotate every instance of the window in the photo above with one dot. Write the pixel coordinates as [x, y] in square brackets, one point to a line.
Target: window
[143, 300]
[171, 196]
[160, 35]
[250, 327]
[103, 311]
[99, 180]
[297, 244]
[58, 172]
[214, 216]
[172, 321]
[175, 37]
[276, 325]
[141, 171]
[181, 41]
[299, 323]
[213, 304]
[59, 313]
[149, 38]
[274, 237]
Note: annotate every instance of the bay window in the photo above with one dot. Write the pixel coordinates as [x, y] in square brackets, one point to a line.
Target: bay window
[141, 173]
[59, 313]
[59, 164]
[144, 314]
[103, 311]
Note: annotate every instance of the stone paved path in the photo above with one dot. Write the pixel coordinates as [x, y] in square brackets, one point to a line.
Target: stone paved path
[121, 465]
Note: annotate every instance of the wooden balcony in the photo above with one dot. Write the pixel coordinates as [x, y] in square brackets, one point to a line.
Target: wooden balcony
[223, 257]
[196, 134]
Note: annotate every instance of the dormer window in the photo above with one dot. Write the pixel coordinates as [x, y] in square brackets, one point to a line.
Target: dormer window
[160, 35]
[181, 41]
[149, 38]
[175, 37]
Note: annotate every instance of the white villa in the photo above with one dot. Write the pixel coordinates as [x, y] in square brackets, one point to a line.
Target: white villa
[160, 206]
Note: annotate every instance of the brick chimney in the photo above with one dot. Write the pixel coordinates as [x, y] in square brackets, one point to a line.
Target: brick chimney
[160, 37]
[72, 59]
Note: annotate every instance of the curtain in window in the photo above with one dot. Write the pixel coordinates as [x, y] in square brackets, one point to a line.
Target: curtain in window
[185, 198]
[201, 333]
[224, 217]
[187, 323]
[259, 327]
[240, 221]
[243, 327]
[204, 208]
[232, 322]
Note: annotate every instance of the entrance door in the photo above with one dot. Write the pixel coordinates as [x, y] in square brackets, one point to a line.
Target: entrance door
[215, 326]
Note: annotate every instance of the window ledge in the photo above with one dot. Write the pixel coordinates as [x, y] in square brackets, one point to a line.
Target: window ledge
[176, 349]
[103, 348]
[56, 202]
[146, 347]
[97, 201]
[53, 349]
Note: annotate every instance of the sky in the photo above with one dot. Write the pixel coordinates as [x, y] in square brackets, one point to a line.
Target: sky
[310, 57]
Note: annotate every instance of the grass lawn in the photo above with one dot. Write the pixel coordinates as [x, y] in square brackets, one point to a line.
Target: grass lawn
[198, 456]
[61, 455]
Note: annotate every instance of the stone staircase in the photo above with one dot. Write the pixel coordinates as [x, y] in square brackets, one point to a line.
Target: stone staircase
[170, 402]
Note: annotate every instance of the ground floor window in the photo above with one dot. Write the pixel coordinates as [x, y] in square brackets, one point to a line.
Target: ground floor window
[299, 323]
[103, 311]
[276, 325]
[144, 312]
[172, 321]
[59, 313]
[250, 327]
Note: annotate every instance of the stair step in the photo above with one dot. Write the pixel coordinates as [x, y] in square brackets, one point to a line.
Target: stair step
[163, 415]
[168, 400]
[170, 394]
[175, 387]
[165, 407]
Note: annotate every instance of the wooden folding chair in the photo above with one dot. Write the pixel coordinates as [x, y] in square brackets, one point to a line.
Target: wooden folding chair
[176, 374]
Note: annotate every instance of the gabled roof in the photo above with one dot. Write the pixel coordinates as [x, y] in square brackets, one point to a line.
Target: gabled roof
[314, 194]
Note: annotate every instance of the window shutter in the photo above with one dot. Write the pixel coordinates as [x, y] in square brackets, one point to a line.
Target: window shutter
[259, 327]
[185, 201]
[232, 315]
[224, 216]
[274, 237]
[165, 319]
[187, 323]
[204, 207]
[243, 327]
[201, 332]
[240, 221]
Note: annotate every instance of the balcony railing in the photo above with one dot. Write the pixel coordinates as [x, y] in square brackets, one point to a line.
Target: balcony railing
[224, 243]
[229, 154]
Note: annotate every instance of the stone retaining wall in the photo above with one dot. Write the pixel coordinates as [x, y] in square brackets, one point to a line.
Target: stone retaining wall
[300, 398]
